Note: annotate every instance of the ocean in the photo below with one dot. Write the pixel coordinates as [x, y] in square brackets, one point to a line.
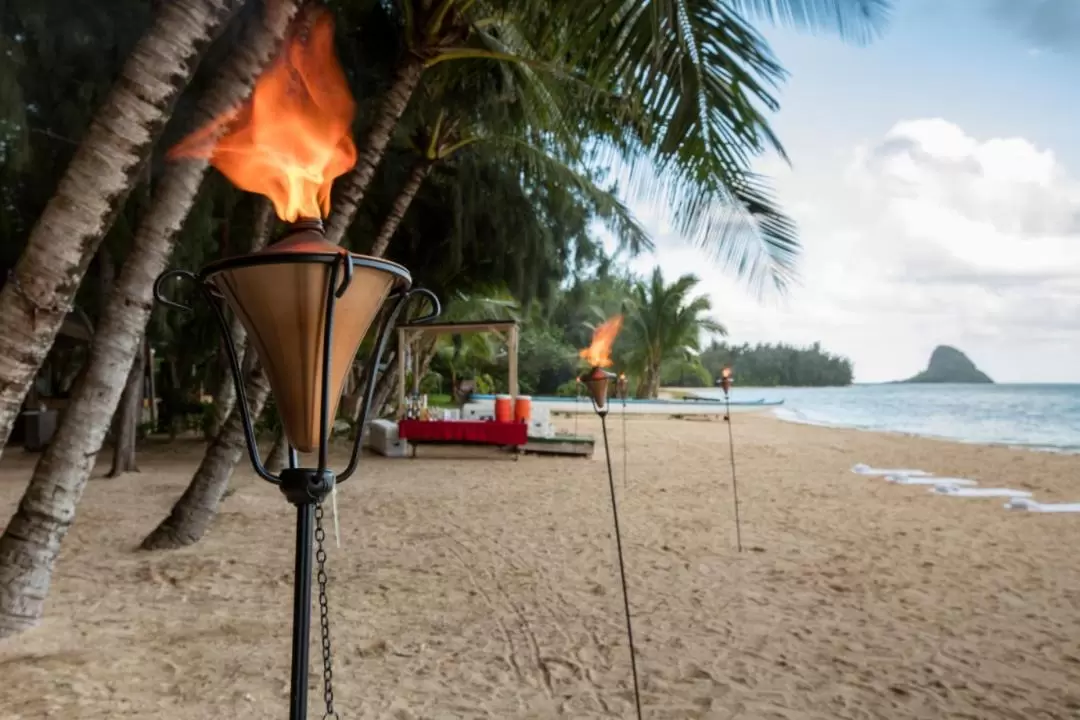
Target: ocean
[1041, 417]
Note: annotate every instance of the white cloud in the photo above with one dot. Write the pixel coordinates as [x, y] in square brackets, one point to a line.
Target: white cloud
[927, 236]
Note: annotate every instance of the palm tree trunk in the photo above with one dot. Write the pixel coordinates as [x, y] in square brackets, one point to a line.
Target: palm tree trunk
[226, 395]
[31, 542]
[349, 190]
[401, 205]
[196, 509]
[91, 192]
[279, 453]
[126, 418]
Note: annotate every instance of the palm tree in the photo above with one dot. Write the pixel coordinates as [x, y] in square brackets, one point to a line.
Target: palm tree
[620, 108]
[473, 109]
[39, 292]
[693, 80]
[35, 533]
[664, 324]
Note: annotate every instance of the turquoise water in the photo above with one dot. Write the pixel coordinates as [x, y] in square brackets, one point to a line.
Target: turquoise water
[1045, 417]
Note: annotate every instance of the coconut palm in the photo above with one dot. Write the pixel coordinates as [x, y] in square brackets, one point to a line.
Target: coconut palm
[48, 505]
[474, 109]
[664, 324]
[605, 94]
[696, 79]
[39, 292]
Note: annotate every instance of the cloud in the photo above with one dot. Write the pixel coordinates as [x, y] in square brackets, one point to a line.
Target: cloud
[927, 236]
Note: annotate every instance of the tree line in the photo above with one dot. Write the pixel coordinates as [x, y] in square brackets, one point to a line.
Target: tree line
[485, 133]
[767, 365]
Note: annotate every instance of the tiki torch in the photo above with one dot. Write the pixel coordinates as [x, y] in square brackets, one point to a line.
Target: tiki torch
[620, 390]
[305, 303]
[725, 384]
[596, 381]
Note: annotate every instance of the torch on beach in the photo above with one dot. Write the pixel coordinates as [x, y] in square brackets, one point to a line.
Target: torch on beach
[596, 381]
[305, 303]
[726, 379]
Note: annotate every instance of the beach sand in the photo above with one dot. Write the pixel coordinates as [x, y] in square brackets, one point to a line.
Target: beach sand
[480, 588]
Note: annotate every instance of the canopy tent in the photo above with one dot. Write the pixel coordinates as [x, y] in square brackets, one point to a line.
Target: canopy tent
[407, 334]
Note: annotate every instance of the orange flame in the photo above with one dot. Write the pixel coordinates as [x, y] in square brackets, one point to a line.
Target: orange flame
[292, 138]
[598, 354]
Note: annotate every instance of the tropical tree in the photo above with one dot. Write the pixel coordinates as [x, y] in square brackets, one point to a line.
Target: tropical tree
[664, 324]
[31, 541]
[435, 32]
[39, 293]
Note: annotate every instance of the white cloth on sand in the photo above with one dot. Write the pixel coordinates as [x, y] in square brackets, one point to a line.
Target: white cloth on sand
[954, 491]
[931, 480]
[1032, 506]
[863, 469]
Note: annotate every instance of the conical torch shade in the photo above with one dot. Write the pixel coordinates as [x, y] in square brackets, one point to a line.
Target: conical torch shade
[596, 380]
[281, 295]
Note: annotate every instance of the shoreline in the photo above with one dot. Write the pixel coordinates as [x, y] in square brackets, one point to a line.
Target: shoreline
[1031, 447]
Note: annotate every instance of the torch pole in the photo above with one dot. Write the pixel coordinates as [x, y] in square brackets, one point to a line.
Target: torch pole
[301, 639]
[734, 480]
[625, 443]
[577, 404]
[622, 567]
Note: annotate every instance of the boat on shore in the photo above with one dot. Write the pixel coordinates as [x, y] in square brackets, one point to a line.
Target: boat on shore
[635, 406]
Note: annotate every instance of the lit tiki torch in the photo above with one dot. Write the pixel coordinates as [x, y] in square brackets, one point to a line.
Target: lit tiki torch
[725, 384]
[596, 380]
[304, 302]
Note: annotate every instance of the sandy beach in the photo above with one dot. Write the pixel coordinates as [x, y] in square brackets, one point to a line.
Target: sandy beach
[469, 588]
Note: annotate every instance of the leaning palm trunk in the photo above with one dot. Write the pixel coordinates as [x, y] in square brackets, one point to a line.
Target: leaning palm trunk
[196, 509]
[401, 206]
[226, 394]
[91, 192]
[349, 190]
[31, 542]
[126, 418]
[279, 453]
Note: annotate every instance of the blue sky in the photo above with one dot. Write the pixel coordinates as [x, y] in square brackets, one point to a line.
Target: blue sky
[936, 181]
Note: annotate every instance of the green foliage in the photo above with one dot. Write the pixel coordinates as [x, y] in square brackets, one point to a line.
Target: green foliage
[664, 326]
[485, 384]
[661, 101]
[431, 383]
[778, 365]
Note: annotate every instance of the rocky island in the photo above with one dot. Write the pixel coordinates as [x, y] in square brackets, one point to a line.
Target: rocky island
[949, 365]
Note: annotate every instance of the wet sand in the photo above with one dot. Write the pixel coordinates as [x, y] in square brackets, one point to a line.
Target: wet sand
[487, 588]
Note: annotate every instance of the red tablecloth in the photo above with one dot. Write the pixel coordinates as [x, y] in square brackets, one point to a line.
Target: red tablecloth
[464, 431]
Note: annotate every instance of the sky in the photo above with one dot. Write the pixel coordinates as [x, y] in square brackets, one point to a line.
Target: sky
[935, 179]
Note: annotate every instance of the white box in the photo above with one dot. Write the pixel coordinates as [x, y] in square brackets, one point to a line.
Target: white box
[383, 439]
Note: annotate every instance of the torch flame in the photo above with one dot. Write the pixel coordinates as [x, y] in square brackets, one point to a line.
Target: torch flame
[598, 354]
[292, 138]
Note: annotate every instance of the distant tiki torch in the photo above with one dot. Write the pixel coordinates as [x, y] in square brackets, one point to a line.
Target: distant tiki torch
[597, 380]
[725, 384]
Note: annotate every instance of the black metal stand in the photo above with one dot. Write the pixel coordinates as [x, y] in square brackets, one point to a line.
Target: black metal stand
[301, 638]
[305, 489]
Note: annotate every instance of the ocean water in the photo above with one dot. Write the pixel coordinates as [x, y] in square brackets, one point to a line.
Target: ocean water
[1044, 417]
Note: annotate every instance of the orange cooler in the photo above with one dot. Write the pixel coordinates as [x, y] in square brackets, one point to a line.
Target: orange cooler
[504, 411]
[523, 409]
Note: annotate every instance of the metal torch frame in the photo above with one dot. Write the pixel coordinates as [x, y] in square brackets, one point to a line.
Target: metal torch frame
[306, 488]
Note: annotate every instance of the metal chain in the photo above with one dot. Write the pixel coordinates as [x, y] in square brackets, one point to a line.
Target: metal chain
[324, 615]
